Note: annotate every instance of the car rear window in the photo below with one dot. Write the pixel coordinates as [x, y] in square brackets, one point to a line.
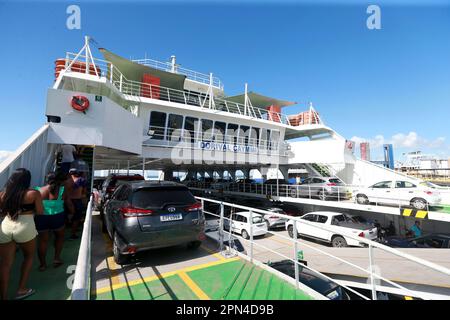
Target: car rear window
[159, 197]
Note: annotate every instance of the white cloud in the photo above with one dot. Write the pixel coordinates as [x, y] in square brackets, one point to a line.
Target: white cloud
[410, 140]
[4, 154]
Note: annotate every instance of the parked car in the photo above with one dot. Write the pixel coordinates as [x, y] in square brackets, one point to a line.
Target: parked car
[221, 184]
[437, 240]
[315, 281]
[110, 184]
[274, 221]
[240, 224]
[324, 188]
[107, 189]
[405, 193]
[339, 227]
[152, 214]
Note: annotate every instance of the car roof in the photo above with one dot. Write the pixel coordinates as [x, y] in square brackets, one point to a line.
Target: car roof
[247, 213]
[326, 213]
[154, 184]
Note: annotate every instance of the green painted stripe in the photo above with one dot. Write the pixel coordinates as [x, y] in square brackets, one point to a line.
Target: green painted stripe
[170, 288]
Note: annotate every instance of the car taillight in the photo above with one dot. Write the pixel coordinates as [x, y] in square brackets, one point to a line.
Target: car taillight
[128, 212]
[332, 184]
[273, 217]
[196, 206]
[429, 193]
[361, 235]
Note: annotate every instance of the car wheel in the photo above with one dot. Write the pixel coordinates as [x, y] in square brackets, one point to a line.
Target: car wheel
[291, 231]
[118, 257]
[419, 203]
[362, 199]
[194, 244]
[245, 235]
[322, 195]
[338, 242]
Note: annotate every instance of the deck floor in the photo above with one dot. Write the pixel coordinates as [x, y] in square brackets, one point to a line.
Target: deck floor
[53, 283]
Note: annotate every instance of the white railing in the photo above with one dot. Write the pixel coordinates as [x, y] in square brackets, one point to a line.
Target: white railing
[82, 281]
[372, 275]
[345, 193]
[183, 138]
[139, 89]
[190, 74]
[35, 154]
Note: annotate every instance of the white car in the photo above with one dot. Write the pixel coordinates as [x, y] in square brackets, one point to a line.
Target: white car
[338, 226]
[399, 192]
[240, 224]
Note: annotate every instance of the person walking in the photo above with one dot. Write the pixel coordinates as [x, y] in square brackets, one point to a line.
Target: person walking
[54, 197]
[18, 205]
[69, 152]
[77, 187]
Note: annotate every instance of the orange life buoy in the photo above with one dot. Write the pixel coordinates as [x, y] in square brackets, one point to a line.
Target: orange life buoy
[80, 103]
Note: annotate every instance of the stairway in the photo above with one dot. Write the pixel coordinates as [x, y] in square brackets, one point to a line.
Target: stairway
[321, 169]
[87, 155]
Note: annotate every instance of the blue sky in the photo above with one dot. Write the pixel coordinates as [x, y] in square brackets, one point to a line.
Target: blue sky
[388, 85]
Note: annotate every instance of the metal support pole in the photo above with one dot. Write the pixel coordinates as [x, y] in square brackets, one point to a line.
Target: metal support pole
[278, 186]
[251, 236]
[245, 100]
[93, 168]
[128, 167]
[295, 254]
[86, 54]
[221, 229]
[372, 278]
[143, 167]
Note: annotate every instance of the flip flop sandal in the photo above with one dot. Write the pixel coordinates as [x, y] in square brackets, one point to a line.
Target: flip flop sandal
[22, 296]
[57, 264]
[42, 268]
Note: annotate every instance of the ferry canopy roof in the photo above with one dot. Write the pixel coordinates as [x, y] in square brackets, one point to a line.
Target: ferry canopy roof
[259, 100]
[134, 71]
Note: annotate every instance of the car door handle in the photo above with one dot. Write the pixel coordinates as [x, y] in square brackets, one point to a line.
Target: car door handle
[410, 191]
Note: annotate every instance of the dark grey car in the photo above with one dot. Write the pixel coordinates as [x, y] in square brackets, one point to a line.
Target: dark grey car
[150, 215]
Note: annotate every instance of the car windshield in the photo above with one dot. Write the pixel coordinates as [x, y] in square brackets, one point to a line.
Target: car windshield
[158, 197]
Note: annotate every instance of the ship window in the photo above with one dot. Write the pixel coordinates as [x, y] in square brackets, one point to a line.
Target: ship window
[175, 125]
[244, 133]
[274, 139]
[207, 126]
[157, 125]
[190, 129]
[219, 131]
[254, 135]
[232, 133]
[264, 138]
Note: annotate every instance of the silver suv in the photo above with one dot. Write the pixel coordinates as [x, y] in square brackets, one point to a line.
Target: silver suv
[152, 214]
[324, 188]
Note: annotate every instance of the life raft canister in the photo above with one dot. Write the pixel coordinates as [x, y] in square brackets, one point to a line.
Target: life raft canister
[80, 103]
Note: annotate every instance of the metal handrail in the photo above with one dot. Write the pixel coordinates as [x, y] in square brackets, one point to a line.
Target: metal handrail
[81, 283]
[135, 88]
[332, 193]
[191, 74]
[371, 244]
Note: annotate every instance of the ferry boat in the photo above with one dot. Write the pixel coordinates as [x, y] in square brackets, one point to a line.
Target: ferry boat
[151, 115]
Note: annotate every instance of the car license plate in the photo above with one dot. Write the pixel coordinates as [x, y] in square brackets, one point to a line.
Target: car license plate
[171, 217]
